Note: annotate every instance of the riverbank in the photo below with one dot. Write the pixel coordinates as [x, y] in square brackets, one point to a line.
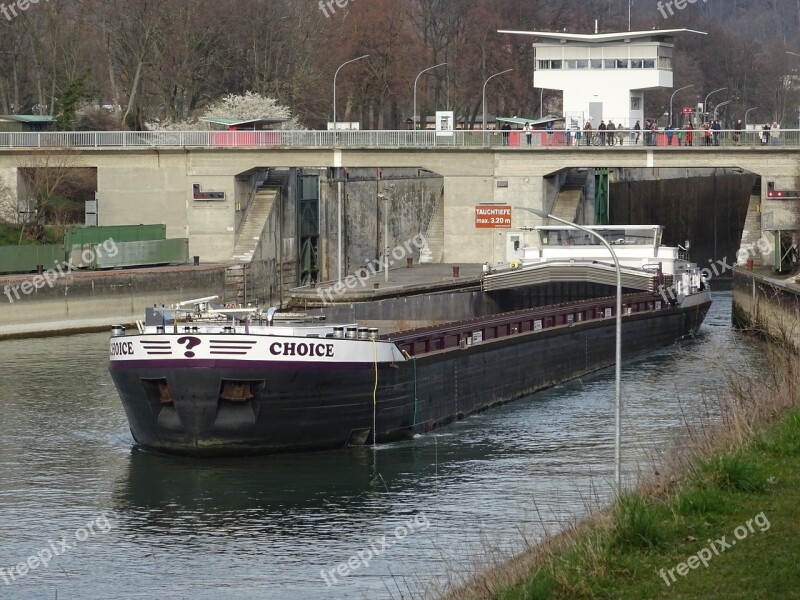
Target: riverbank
[718, 517]
[67, 302]
[768, 303]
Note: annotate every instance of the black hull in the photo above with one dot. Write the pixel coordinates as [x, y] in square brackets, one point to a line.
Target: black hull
[306, 409]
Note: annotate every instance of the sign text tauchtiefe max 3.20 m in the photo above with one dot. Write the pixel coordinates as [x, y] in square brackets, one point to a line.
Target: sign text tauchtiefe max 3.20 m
[492, 217]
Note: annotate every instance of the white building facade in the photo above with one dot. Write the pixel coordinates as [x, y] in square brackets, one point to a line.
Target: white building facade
[604, 76]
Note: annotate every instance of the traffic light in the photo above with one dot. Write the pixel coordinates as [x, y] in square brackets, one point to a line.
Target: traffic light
[780, 194]
[771, 189]
[198, 194]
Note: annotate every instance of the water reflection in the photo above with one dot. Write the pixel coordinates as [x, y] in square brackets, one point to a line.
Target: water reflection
[264, 527]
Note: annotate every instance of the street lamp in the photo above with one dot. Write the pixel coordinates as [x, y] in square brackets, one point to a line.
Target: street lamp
[629, 14]
[483, 104]
[334, 84]
[798, 55]
[705, 102]
[339, 183]
[670, 102]
[415, 89]
[718, 106]
[618, 354]
[747, 112]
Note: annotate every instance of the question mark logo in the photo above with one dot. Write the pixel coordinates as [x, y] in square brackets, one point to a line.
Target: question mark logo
[190, 342]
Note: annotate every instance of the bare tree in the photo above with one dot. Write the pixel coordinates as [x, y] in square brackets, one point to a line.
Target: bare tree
[47, 175]
[9, 212]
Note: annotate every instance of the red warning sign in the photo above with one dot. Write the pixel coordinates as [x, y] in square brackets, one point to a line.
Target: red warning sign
[492, 217]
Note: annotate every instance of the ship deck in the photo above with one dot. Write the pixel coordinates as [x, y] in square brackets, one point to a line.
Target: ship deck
[460, 334]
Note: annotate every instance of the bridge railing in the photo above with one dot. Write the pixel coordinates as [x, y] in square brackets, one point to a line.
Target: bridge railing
[398, 139]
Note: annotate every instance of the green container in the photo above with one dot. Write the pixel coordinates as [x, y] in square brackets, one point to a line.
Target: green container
[110, 255]
[79, 236]
[25, 259]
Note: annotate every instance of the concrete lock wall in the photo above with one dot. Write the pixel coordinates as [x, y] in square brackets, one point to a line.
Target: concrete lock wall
[411, 197]
[274, 267]
[410, 312]
[706, 207]
[155, 185]
[88, 299]
[766, 304]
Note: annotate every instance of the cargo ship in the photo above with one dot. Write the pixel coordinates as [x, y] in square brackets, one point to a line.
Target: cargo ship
[198, 379]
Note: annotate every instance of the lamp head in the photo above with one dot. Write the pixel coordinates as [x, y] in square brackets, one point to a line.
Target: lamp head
[539, 213]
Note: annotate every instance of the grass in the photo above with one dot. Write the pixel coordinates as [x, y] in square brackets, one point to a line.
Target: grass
[10, 235]
[741, 472]
[621, 559]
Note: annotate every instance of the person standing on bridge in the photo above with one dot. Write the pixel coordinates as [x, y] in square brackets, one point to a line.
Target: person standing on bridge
[576, 133]
[737, 133]
[506, 133]
[587, 130]
[528, 133]
[638, 129]
[716, 127]
[602, 129]
[687, 141]
[776, 134]
[765, 130]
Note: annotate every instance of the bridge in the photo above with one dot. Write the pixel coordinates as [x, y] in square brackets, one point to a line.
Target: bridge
[155, 177]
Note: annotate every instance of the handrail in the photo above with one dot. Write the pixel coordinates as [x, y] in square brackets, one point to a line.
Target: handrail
[477, 139]
[254, 185]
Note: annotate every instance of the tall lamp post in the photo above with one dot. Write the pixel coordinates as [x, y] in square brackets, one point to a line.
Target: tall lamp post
[483, 102]
[747, 112]
[686, 87]
[718, 106]
[705, 102]
[339, 183]
[798, 55]
[630, 2]
[415, 88]
[334, 84]
[618, 354]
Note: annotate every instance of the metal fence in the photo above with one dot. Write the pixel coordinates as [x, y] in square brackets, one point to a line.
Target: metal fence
[514, 139]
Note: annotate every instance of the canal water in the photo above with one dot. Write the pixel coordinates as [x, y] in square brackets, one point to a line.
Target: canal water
[94, 517]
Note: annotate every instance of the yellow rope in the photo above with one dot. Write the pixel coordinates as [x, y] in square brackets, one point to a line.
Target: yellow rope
[375, 390]
[375, 397]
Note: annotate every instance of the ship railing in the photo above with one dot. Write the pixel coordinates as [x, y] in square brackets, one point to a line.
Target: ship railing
[471, 332]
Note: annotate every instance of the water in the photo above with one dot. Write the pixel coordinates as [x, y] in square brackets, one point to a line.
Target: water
[266, 527]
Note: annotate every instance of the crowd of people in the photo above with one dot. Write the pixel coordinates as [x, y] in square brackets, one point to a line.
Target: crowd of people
[708, 133]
